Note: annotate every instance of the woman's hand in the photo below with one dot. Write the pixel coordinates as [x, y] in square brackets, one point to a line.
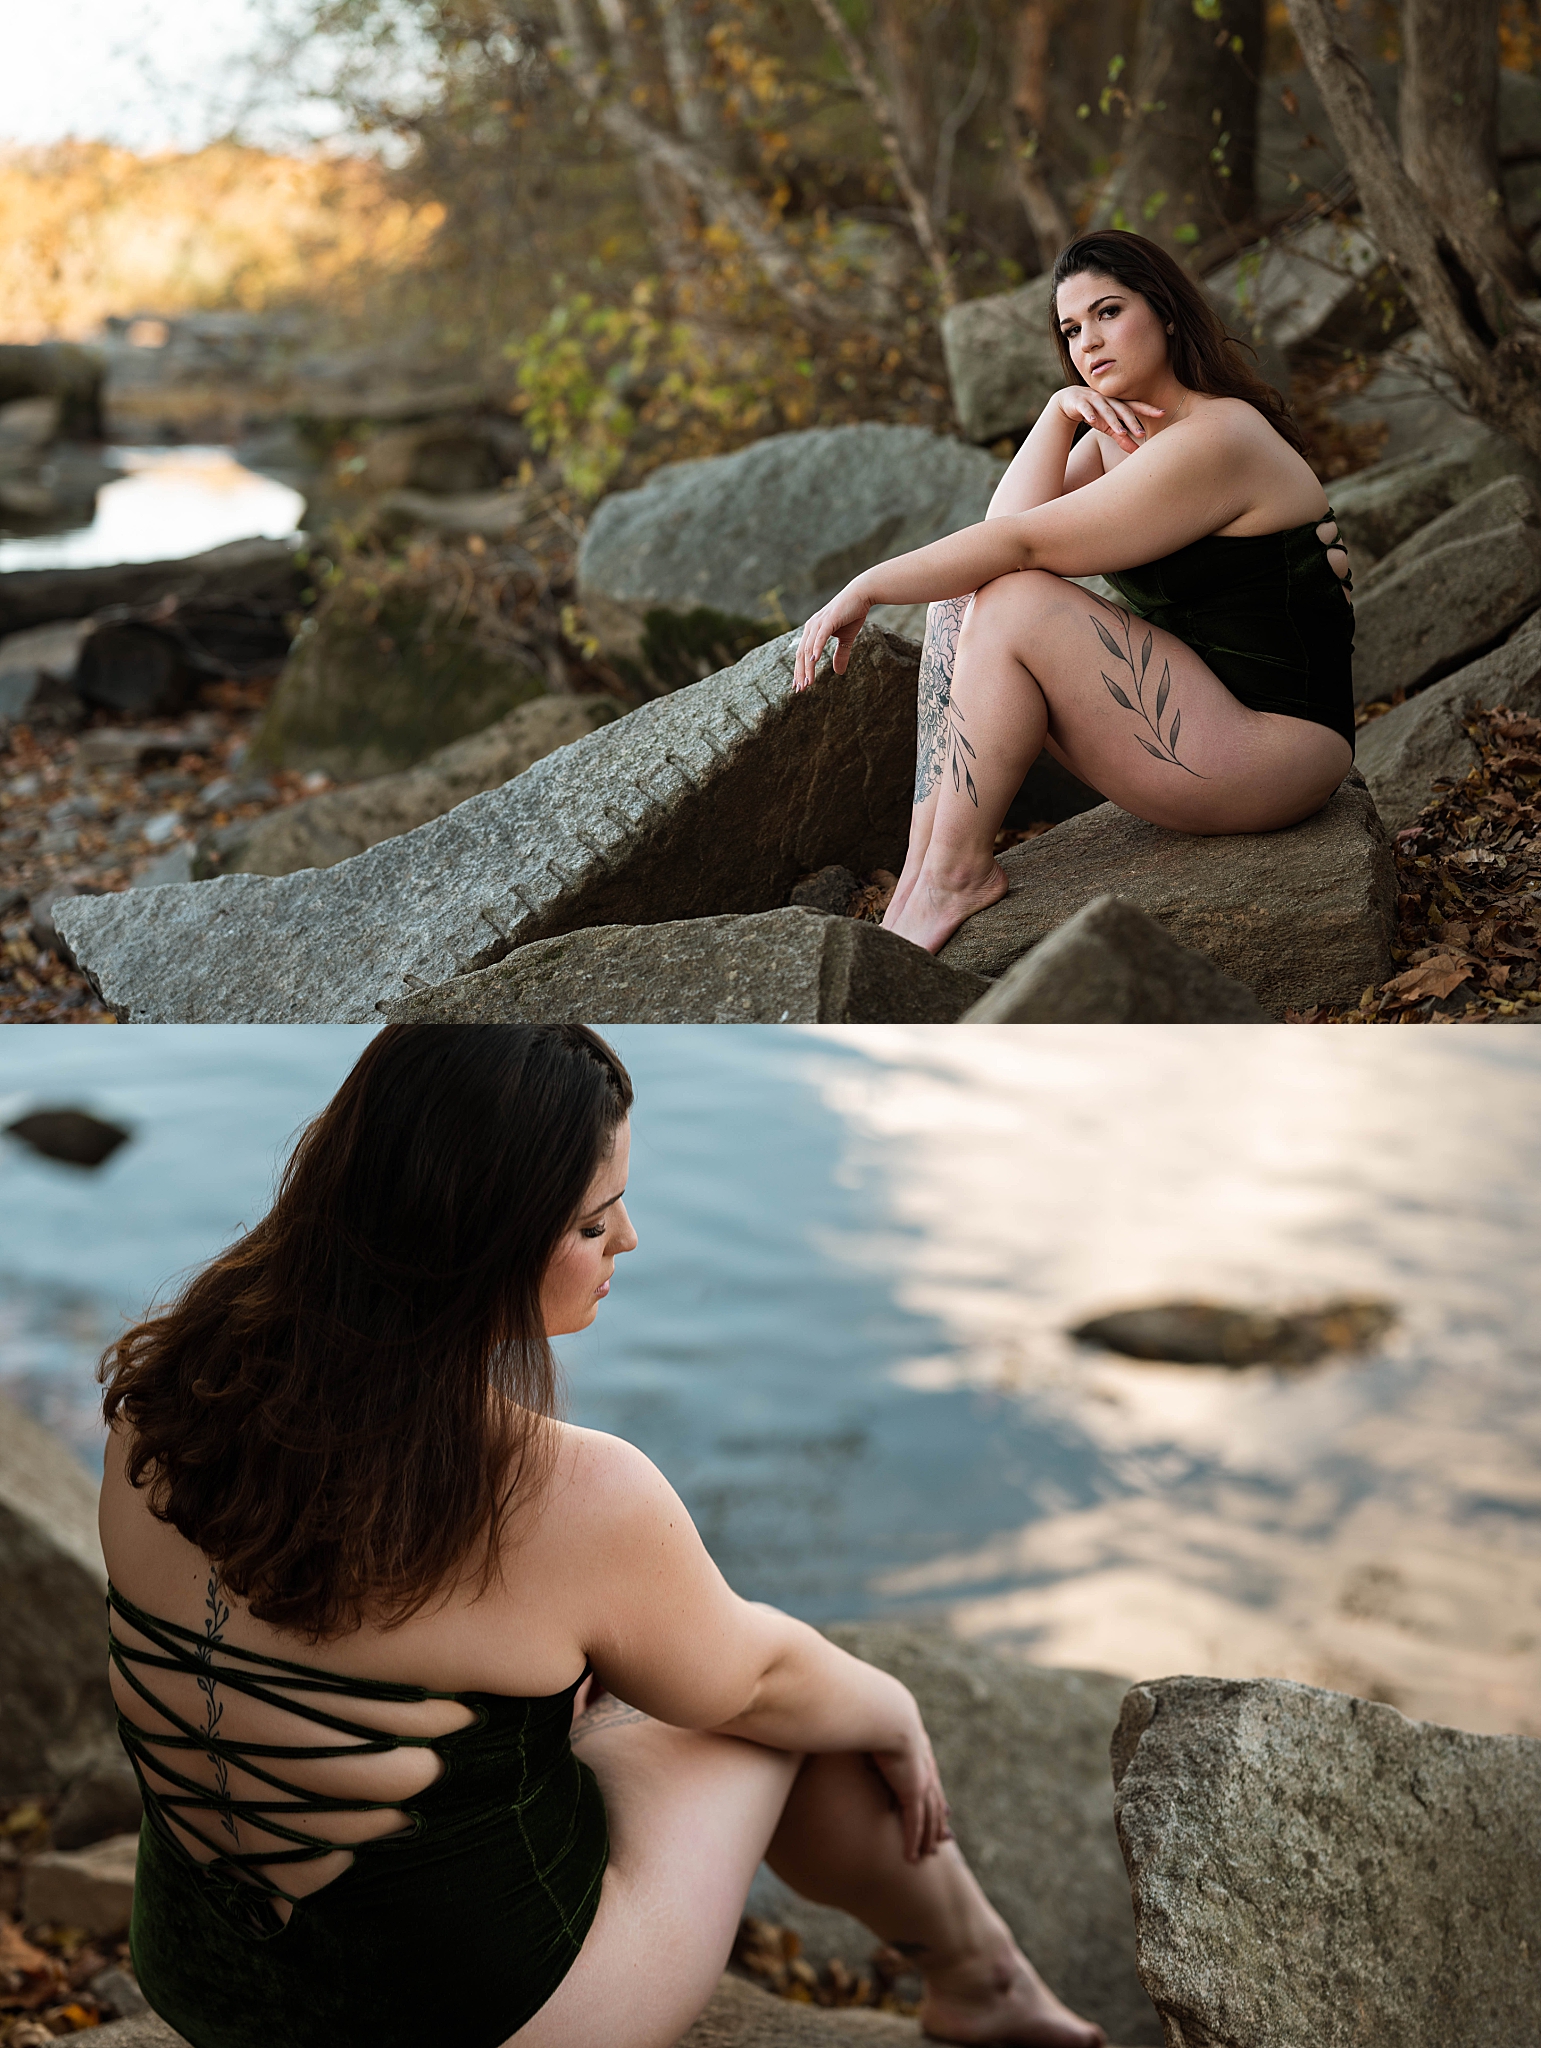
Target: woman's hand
[916, 1784]
[840, 620]
[1118, 418]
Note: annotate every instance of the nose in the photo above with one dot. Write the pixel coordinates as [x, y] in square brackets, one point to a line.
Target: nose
[625, 1238]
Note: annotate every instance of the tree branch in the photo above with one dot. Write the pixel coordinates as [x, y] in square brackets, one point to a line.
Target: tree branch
[881, 110]
[721, 197]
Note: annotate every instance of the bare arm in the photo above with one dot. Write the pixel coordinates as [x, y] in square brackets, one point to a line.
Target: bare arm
[667, 1634]
[1051, 462]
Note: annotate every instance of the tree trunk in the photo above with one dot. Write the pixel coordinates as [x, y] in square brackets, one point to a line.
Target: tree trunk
[1190, 147]
[1449, 111]
[1490, 349]
[1027, 109]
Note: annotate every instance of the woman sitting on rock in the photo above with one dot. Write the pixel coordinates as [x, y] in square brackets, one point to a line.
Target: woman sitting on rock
[447, 1726]
[1216, 695]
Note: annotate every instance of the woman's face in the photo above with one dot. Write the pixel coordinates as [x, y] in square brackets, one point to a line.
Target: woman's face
[1116, 340]
[578, 1277]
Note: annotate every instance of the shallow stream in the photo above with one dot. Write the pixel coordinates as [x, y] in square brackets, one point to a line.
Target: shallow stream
[167, 504]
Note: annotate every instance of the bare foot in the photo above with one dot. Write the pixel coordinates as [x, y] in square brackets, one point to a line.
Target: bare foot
[931, 913]
[1002, 2000]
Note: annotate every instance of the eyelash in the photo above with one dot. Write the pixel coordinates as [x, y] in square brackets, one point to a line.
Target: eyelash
[1070, 333]
[594, 1230]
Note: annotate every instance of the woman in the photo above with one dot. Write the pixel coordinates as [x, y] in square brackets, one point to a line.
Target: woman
[447, 1726]
[1216, 697]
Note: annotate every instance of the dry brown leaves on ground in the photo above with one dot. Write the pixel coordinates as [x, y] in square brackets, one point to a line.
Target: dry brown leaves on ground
[43, 1975]
[773, 1957]
[1469, 894]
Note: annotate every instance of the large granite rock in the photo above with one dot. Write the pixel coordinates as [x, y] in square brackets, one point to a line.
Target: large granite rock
[1300, 917]
[1023, 1755]
[37, 675]
[1508, 501]
[1442, 608]
[55, 1708]
[790, 966]
[240, 574]
[389, 668]
[1379, 507]
[767, 535]
[60, 370]
[1314, 1871]
[323, 830]
[1401, 754]
[714, 800]
[1002, 361]
[1322, 284]
[1111, 964]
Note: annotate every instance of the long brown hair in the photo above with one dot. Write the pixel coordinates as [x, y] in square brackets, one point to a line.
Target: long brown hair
[341, 1407]
[1203, 356]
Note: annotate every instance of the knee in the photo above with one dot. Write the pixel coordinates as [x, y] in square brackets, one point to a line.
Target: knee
[1010, 600]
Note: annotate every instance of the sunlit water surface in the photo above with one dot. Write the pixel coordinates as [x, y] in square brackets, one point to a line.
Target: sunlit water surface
[843, 1335]
[169, 503]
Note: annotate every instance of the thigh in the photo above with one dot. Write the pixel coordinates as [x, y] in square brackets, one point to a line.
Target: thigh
[1138, 715]
[690, 1818]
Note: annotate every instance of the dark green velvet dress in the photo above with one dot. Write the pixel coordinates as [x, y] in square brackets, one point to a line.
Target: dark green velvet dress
[1265, 611]
[457, 1929]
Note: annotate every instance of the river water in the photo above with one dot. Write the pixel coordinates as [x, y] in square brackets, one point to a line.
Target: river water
[843, 1336]
[168, 503]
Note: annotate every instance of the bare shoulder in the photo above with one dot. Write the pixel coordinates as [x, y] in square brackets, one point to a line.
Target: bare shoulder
[601, 1486]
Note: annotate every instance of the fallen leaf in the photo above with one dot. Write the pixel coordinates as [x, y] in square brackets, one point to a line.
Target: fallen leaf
[1436, 977]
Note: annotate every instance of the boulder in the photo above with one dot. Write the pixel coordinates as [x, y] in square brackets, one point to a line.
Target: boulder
[92, 1889]
[1403, 753]
[1002, 360]
[793, 966]
[387, 669]
[37, 674]
[442, 458]
[708, 802]
[1300, 917]
[101, 1800]
[60, 370]
[1314, 1871]
[1111, 964]
[1023, 1755]
[1381, 506]
[765, 536]
[1442, 608]
[55, 1705]
[1507, 501]
[495, 515]
[144, 2030]
[1324, 284]
[242, 573]
[323, 830]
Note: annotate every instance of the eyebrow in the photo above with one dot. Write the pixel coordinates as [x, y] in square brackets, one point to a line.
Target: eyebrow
[1106, 299]
[600, 1209]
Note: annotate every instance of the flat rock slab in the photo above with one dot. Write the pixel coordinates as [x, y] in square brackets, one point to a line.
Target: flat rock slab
[1111, 964]
[1024, 1757]
[90, 1888]
[1402, 753]
[709, 802]
[1314, 1871]
[1443, 608]
[1300, 917]
[243, 571]
[1381, 506]
[1510, 499]
[773, 531]
[791, 966]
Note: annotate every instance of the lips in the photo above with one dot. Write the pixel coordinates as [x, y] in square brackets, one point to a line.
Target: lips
[602, 1290]
[1104, 363]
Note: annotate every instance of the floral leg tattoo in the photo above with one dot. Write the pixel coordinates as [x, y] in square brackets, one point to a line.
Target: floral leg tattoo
[214, 1708]
[1163, 746]
[942, 743]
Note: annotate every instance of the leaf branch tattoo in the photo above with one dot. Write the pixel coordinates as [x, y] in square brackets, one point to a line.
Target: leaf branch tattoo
[941, 743]
[214, 1708]
[1165, 745]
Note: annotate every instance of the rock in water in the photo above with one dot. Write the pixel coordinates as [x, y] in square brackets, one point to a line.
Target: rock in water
[1402, 753]
[55, 1707]
[765, 536]
[1444, 607]
[71, 1135]
[1111, 964]
[323, 830]
[263, 573]
[781, 967]
[1002, 361]
[1299, 917]
[1023, 1755]
[709, 802]
[1314, 1871]
[1201, 1333]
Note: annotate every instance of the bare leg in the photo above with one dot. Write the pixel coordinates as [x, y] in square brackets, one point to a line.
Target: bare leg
[839, 1843]
[937, 655]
